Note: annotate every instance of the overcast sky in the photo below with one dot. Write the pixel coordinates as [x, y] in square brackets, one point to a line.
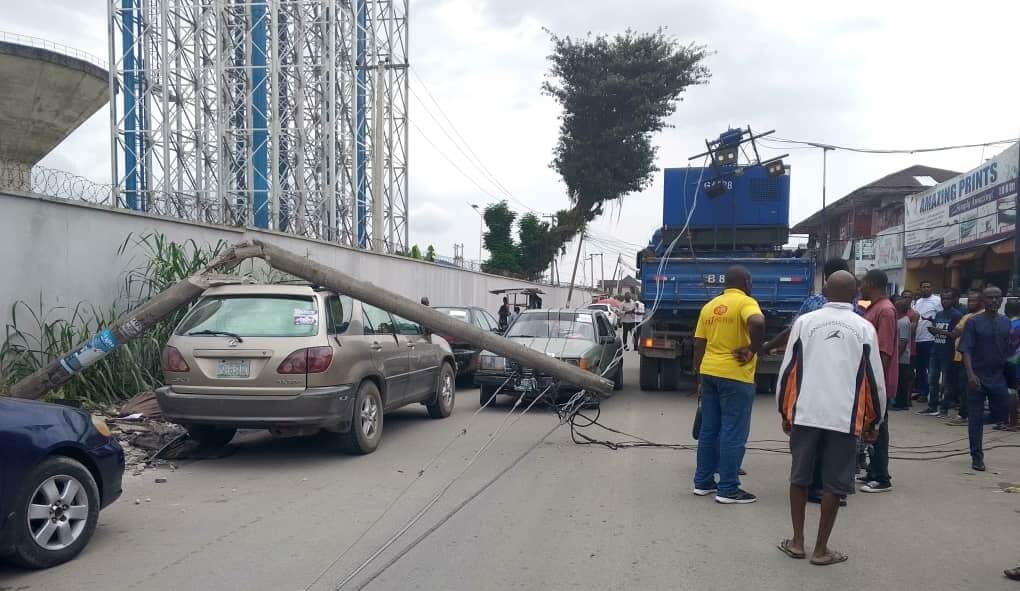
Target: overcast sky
[891, 74]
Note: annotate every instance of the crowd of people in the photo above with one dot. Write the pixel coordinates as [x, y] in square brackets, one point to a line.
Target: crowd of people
[852, 354]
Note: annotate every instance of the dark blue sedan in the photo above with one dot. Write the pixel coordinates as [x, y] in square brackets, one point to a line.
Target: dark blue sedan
[58, 468]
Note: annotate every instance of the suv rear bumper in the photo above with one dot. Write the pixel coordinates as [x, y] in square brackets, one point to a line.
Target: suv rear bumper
[315, 407]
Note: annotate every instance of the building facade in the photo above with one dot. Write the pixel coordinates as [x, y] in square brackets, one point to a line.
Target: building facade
[866, 227]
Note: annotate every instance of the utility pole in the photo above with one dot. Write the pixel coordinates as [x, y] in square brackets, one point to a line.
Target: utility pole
[1015, 287]
[577, 260]
[825, 214]
[591, 258]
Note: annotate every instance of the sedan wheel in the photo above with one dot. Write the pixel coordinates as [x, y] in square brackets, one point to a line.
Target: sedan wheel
[56, 512]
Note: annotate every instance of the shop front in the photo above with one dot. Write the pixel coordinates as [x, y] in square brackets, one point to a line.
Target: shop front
[960, 233]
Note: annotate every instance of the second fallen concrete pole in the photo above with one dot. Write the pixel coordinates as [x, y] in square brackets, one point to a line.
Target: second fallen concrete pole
[438, 322]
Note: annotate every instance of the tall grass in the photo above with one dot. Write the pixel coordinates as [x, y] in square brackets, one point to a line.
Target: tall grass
[37, 336]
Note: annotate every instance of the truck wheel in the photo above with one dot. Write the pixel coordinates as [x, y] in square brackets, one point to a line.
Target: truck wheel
[671, 374]
[649, 373]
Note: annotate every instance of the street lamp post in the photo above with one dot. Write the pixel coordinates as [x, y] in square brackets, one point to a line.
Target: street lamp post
[481, 229]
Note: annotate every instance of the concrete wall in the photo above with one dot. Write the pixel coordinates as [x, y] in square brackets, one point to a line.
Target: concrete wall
[67, 252]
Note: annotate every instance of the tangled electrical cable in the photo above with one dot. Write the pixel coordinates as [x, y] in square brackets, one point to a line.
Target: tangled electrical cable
[912, 452]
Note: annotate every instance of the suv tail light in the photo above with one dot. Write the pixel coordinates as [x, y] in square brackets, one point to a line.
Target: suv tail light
[174, 361]
[310, 360]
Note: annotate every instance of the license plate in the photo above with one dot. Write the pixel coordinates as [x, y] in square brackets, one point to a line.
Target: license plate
[527, 385]
[233, 368]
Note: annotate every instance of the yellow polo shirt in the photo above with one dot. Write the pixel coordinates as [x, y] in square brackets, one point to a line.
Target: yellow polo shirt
[723, 325]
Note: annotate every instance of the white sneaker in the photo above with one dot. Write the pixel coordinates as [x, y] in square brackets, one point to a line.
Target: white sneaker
[875, 487]
[704, 492]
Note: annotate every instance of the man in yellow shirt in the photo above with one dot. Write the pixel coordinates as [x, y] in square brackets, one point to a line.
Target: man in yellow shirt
[729, 336]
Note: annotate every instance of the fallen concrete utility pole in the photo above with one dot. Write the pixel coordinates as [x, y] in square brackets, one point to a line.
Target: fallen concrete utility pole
[125, 328]
[141, 319]
[437, 322]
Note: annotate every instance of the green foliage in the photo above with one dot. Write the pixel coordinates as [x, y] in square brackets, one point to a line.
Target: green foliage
[615, 93]
[35, 337]
[415, 253]
[430, 254]
[528, 257]
[499, 221]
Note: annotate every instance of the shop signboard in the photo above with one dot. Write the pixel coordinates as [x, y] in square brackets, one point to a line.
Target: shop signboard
[864, 255]
[889, 248]
[975, 207]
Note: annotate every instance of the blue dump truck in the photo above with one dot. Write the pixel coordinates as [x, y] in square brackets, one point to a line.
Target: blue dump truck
[714, 217]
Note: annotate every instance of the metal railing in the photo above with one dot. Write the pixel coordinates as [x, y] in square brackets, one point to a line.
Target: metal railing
[55, 47]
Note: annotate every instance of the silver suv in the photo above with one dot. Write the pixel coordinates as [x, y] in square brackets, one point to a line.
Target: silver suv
[297, 361]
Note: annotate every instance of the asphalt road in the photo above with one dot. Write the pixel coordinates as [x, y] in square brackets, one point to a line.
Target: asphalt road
[276, 513]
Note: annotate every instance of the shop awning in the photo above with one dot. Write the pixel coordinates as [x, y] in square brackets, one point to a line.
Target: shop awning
[962, 257]
[1004, 247]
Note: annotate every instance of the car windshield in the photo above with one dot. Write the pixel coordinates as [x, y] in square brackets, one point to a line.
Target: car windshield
[252, 316]
[553, 325]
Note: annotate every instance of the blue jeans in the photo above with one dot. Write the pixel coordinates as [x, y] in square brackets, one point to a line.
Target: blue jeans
[725, 424]
[998, 405]
[922, 361]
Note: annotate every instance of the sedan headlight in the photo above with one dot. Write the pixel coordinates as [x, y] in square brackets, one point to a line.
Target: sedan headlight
[101, 427]
[492, 363]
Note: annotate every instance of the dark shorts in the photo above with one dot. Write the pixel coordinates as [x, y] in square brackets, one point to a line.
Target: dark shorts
[837, 453]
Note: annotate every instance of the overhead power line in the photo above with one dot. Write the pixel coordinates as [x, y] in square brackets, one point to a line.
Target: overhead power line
[467, 151]
[826, 146]
[452, 163]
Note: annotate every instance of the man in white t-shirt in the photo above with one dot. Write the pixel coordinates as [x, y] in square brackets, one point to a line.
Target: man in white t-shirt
[926, 306]
[831, 392]
[628, 308]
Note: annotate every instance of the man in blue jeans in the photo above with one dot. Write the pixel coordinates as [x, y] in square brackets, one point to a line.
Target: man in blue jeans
[985, 348]
[942, 382]
[727, 340]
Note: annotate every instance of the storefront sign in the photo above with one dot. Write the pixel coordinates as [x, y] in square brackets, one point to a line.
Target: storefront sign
[974, 207]
[889, 248]
[864, 255]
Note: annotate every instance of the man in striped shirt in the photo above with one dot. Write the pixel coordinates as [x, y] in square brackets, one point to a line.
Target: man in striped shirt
[831, 392]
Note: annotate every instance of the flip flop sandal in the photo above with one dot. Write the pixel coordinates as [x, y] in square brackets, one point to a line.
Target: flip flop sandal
[834, 558]
[1012, 573]
[784, 547]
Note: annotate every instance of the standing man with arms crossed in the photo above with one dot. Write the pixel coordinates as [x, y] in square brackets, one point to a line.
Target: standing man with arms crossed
[942, 384]
[974, 306]
[882, 315]
[727, 340]
[926, 307]
[830, 393]
[985, 346]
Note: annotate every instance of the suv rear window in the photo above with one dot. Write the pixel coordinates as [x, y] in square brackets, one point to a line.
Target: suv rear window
[253, 316]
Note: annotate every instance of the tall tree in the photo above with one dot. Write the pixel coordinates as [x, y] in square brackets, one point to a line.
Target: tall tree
[430, 254]
[615, 93]
[499, 221]
[537, 245]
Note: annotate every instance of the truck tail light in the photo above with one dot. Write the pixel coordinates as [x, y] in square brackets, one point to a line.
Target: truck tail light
[310, 360]
[174, 361]
[649, 343]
